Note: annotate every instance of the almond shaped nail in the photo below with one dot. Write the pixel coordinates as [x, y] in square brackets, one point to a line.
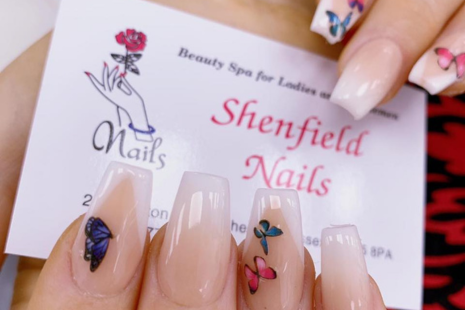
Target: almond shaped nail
[195, 255]
[368, 77]
[333, 18]
[441, 66]
[111, 240]
[273, 256]
[344, 277]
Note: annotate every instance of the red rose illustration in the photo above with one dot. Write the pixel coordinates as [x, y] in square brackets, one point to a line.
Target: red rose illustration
[135, 41]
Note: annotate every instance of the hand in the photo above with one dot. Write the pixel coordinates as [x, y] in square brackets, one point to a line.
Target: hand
[106, 260]
[423, 41]
[116, 89]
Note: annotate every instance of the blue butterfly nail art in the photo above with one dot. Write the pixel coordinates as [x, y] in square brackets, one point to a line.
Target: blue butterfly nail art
[336, 26]
[98, 238]
[266, 231]
[357, 4]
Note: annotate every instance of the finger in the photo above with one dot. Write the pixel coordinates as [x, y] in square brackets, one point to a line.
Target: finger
[442, 67]
[106, 76]
[344, 282]
[378, 59]
[112, 78]
[27, 275]
[100, 87]
[192, 263]
[375, 294]
[125, 86]
[334, 18]
[272, 271]
[98, 262]
[19, 86]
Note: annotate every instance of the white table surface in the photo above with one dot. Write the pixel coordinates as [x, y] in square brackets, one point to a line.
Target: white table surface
[22, 22]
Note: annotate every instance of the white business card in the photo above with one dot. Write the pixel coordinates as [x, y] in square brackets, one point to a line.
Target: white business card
[150, 86]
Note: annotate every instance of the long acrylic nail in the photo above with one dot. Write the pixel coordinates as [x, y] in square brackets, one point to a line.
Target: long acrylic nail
[368, 77]
[273, 256]
[441, 66]
[110, 243]
[195, 254]
[344, 277]
[333, 18]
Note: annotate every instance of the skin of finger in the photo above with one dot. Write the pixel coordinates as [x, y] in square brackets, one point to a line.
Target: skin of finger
[152, 297]
[456, 24]
[27, 275]
[57, 290]
[412, 24]
[19, 86]
[377, 298]
[309, 282]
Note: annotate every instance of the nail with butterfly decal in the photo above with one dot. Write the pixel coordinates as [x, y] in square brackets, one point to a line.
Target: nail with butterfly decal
[441, 66]
[112, 238]
[273, 255]
[333, 18]
[196, 250]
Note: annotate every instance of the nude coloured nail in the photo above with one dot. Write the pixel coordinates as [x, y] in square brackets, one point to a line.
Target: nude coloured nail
[272, 266]
[195, 255]
[344, 278]
[333, 18]
[368, 77]
[441, 66]
[111, 240]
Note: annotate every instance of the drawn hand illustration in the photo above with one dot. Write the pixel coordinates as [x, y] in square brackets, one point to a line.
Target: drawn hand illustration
[116, 89]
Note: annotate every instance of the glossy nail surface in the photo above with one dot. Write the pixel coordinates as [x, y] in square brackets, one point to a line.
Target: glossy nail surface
[273, 256]
[344, 277]
[111, 240]
[195, 254]
[368, 77]
[441, 66]
[333, 18]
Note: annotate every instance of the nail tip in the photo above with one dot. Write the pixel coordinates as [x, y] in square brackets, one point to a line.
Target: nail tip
[357, 114]
[338, 229]
[205, 178]
[427, 86]
[269, 191]
[130, 169]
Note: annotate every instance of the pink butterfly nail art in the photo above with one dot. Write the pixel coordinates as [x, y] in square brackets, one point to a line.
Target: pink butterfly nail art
[262, 272]
[446, 59]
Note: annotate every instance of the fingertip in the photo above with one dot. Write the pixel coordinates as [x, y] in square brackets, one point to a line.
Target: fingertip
[317, 293]
[377, 298]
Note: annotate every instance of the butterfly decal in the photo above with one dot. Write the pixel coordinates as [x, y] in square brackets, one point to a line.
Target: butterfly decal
[98, 238]
[336, 25]
[446, 59]
[359, 4]
[262, 272]
[266, 231]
